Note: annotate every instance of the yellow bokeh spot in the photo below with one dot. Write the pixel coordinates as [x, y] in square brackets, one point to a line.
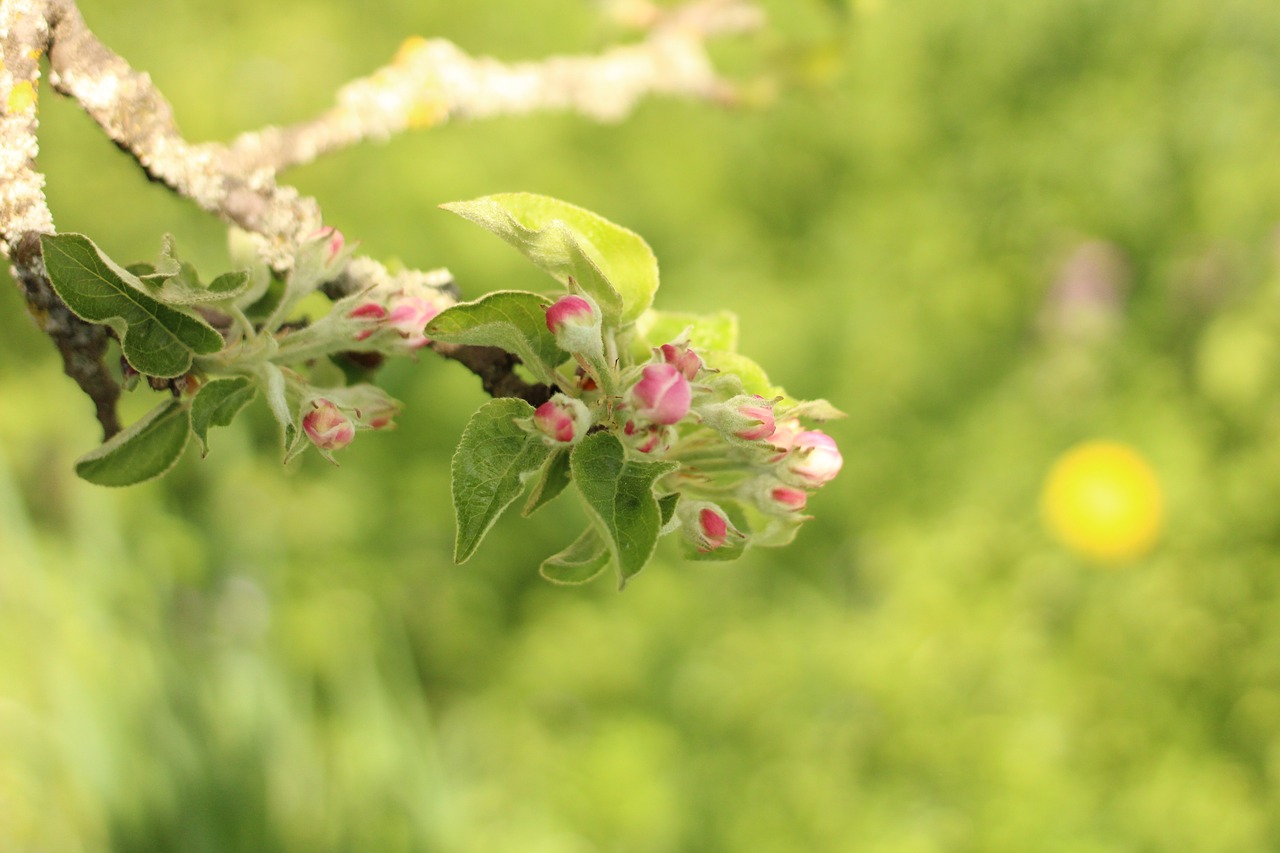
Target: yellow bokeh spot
[22, 97]
[408, 48]
[1102, 500]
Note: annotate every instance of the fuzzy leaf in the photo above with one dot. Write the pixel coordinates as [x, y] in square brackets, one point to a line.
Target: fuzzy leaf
[185, 288]
[611, 263]
[490, 467]
[156, 339]
[718, 331]
[581, 561]
[217, 404]
[619, 495]
[754, 379]
[512, 320]
[551, 482]
[144, 451]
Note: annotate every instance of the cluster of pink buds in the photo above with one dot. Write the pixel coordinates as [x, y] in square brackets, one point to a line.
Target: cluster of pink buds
[405, 311]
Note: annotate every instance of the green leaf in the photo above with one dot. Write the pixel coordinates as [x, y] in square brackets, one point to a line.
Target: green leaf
[156, 339]
[718, 331]
[512, 320]
[612, 264]
[754, 379]
[619, 495]
[581, 561]
[144, 451]
[668, 503]
[490, 467]
[551, 482]
[185, 287]
[217, 404]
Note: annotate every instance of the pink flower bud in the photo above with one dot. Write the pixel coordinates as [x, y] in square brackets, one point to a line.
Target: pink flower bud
[575, 321]
[562, 419]
[762, 413]
[409, 315]
[682, 358]
[787, 498]
[327, 427]
[713, 529]
[814, 458]
[662, 396]
[373, 313]
[785, 434]
[569, 310]
[334, 243]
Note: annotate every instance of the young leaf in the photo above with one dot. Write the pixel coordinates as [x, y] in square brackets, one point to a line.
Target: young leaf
[754, 379]
[217, 404]
[618, 492]
[185, 287]
[490, 467]
[512, 320]
[718, 331]
[579, 562]
[157, 340]
[144, 451]
[614, 265]
[551, 482]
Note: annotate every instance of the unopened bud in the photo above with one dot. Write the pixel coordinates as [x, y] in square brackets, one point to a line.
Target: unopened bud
[409, 315]
[749, 417]
[327, 427]
[682, 358]
[814, 458]
[662, 396]
[576, 321]
[562, 419]
[371, 312]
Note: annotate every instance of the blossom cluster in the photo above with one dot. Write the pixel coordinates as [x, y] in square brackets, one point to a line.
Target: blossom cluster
[747, 464]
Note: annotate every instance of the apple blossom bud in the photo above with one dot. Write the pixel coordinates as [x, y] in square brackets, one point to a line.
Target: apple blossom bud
[682, 358]
[373, 313]
[761, 411]
[327, 427]
[409, 315]
[713, 529]
[576, 321]
[814, 458]
[785, 434]
[787, 498]
[662, 396]
[562, 419]
[334, 243]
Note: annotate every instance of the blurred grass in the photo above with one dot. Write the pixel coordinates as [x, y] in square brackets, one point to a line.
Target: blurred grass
[243, 657]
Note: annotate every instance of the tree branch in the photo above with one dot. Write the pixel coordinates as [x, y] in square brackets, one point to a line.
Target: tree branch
[427, 83]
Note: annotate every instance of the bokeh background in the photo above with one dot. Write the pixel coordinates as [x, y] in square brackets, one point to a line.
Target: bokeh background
[988, 231]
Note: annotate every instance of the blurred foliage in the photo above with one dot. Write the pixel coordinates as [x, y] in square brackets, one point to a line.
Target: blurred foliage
[244, 657]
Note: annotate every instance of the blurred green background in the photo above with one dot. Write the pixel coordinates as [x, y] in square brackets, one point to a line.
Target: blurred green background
[986, 230]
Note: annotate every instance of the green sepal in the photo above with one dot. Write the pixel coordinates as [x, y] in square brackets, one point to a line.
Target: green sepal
[158, 340]
[581, 561]
[513, 320]
[618, 493]
[490, 467]
[217, 404]
[145, 450]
